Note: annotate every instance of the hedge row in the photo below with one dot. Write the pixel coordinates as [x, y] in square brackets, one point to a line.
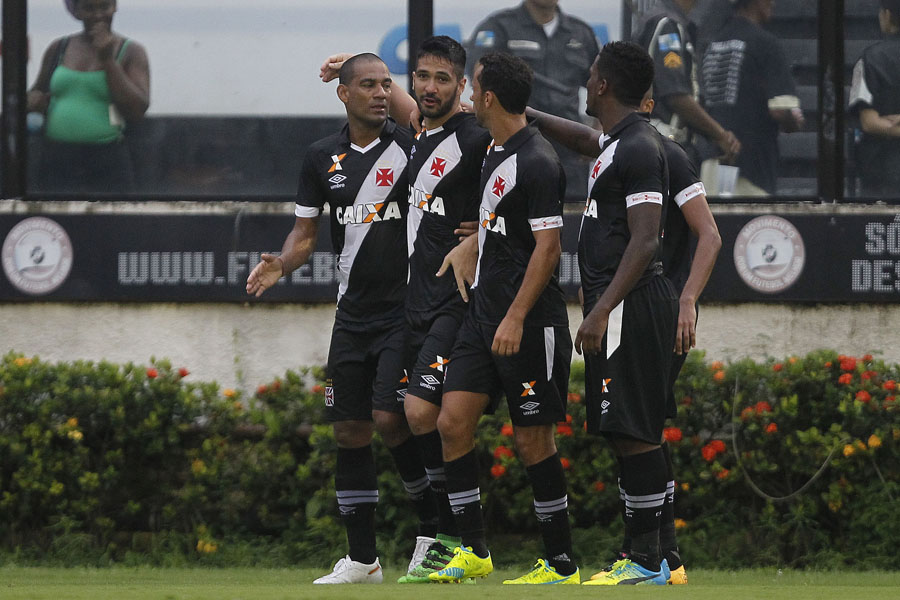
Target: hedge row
[103, 463]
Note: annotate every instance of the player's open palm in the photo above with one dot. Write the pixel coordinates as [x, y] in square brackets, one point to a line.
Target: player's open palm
[265, 274]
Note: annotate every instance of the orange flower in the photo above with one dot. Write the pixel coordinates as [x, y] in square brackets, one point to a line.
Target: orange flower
[874, 441]
[500, 451]
[569, 419]
[685, 486]
[716, 365]
[498, 471]
[718, 445]
[599, 486]
[868, 357]
[506, 430]
[722, 474]
[845, 379]
[777, 367]
[719, 376]
[574, 397]
[275, 385]
[182, 372]
[828, 365]
[317, 389]
[565, 462]
[680, 523]
[889, 385]
[261, 390]
[848, 364]
[228, 393]
[762, 407]
[709, 453]
[771, 428]
[792, 360]
[746, 413]
[565, 430]
[672, 434]
[863, 396]
[152, 373]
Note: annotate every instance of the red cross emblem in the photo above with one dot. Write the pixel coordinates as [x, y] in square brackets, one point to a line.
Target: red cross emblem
[596, 170]
[499, 187]
[384, 177]
[437, 167]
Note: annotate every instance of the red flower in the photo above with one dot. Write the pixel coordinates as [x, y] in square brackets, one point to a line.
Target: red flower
[889, 400]
[574, 397]
[890, 385]
[722, 474]
[498, 471]
[777, 367]
[719, 376]
[152, 373]
[569, 419]
[828, 365]
[276, 385]
[672, 434]
[564, 430]
[599, 486]
[261, 390]
[503, 451]
[771, 428]
[863, 396]
[718, 445]
[565, 462]
[868, 357]
[868, 375]
[182, 372]
[845, 379]
[709, 453]
[848, 364]
[317, 389]
[746, 413]
[762, 407]
[687, 401]
[506, 430]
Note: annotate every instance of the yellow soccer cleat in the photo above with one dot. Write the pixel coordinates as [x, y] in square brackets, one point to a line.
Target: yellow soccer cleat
[465, 564]
[678, 576]
[544, 574]
[628, 572]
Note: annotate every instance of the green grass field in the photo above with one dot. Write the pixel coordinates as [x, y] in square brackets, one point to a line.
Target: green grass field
[265, 584]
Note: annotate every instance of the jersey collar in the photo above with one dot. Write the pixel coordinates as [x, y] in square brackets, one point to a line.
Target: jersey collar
[387, 132]
[629, 120]
[517, 139]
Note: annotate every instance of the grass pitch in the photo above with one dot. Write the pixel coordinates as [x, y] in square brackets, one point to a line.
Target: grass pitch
[269, 584]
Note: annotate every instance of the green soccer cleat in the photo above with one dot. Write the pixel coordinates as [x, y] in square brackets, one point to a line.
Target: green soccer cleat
[544, 574]
[628, 572]
[465, 564]
[436, 558]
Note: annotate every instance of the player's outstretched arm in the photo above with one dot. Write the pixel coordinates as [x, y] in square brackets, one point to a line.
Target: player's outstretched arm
[577, 137]
[463, 259]
[297, 248]
[700, 219]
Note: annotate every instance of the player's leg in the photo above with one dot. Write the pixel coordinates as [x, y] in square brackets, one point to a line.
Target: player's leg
[348, 407]
[535, 381]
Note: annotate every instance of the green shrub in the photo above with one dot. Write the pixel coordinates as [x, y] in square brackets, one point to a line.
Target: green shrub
[103, 464]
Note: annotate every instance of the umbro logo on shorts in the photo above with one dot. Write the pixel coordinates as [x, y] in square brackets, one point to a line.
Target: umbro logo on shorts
[604, 406]
[530, 408]
[529, 388]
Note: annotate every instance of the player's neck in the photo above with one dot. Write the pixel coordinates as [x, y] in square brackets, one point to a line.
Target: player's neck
[505, 126]
[362, 134]
[541, 15]
[431, 124]
[613, 115]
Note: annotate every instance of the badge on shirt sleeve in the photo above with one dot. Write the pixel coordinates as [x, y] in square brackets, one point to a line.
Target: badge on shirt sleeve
[672, 60]
[484, 39]
[669, 41]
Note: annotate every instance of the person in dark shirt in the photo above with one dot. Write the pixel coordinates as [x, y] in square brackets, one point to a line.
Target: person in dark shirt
[361, 174]
[514, 339]
[748, 88]
[559, 48]
[875, 100]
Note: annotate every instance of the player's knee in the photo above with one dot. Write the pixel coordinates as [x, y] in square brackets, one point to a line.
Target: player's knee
[535, 444]
[421, 416]
[391, 427]
[352, 434]
[452, 430]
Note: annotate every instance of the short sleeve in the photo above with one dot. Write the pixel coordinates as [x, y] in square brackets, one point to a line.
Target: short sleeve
[545, 189]
[684, 183]
[643, 174]
[860, 94]
[310, 196]
[670, 63]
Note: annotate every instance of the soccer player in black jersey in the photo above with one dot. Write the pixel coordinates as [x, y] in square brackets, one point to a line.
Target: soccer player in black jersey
[361, 173]
[687, 213]
[515, 338]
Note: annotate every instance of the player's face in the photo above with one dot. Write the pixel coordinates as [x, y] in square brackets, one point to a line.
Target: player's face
[436, 87]
[477, 97]
[369, 93]
[593, 88]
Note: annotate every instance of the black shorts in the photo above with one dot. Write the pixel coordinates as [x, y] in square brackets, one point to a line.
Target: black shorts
[429, 343]
[365, 370]
[674, 371]
[627, 383]
[535, 380]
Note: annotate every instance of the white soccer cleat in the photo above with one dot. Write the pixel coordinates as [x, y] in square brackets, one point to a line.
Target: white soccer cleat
[422, 545]
[351, 571]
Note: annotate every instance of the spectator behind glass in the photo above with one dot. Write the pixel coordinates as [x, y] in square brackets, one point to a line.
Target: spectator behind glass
[875, 99]
[90, 85]
[667, 33]
[560, 49]
[748, 88]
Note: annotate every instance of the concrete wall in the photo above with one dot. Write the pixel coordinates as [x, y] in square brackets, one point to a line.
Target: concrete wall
[245, 345]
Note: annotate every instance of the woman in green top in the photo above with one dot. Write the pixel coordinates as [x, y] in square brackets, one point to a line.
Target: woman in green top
[90, 85]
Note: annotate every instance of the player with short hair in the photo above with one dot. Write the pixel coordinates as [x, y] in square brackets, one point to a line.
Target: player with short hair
[515, 337]
[360, 172]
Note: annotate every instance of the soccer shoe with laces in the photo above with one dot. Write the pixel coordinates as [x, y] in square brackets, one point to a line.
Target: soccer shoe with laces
[628, 572]
[678, 576]
[435, 559]
[351, 571]
[465, 564]
[608, 568]
[544, 574]
[423, 543]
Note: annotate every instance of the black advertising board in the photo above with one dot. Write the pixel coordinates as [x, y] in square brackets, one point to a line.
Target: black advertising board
[206, 258]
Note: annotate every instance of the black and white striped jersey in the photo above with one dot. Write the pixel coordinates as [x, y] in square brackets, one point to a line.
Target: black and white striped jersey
[365, 189]
[684, 185]
[630, 170]
[522, 191]
[444, 174]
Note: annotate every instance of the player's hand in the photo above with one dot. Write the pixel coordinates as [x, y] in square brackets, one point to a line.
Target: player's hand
[686, 332]
[265, 274]
[415, 120]
[463, 259]
[730, 145]
[466, 107]
[465, 229]
[508, 337]
[102, 41]
[590, 333]
[331, 68]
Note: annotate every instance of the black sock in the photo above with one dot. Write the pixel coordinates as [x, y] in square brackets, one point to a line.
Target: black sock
[551, 505]
[465, 501]
[357, 495]
[430, 443]
[645, 485]
[408, 458]
[626, 535]
[668, 545]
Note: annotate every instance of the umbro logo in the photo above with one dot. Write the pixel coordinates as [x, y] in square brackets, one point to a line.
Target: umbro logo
[530, 408]
[529, 388]
[337, 178]
[430, 379]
